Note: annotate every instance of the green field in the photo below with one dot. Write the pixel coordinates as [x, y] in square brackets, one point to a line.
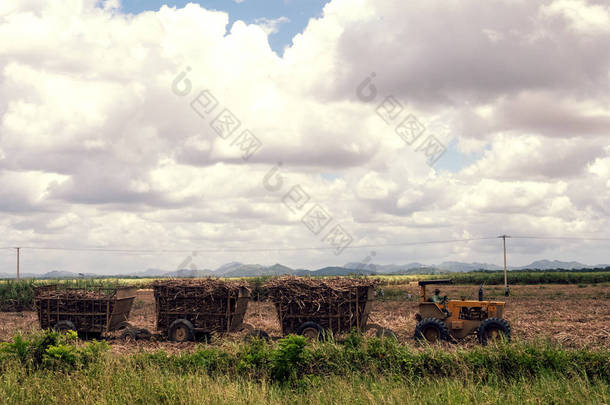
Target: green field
[48, 369]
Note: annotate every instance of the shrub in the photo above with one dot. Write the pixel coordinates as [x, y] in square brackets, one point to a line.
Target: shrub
[52, 350]
[289, 359]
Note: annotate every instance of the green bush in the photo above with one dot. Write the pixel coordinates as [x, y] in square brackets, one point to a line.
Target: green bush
[289, 359]
[293, 359]
[52, 350]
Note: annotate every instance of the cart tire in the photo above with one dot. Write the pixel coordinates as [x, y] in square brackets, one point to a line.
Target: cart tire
[311, 330]
[385, 333]
[123, 325]
[64, 326]
[129, 335]
[181, 330]
[256, 334]
[247, 326]
[143, 334]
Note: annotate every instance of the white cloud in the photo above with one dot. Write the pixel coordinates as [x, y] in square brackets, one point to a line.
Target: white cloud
[271, 25]
[96, 149]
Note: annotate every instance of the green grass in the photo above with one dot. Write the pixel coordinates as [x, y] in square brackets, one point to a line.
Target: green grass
[119, 385]
[360, 371]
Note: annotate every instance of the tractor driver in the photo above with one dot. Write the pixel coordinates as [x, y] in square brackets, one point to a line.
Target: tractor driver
[437, 297]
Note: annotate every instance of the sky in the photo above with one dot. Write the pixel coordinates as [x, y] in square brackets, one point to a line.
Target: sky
[140, 134]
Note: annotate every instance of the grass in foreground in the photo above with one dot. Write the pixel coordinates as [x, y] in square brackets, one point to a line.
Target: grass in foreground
[120, 385]
[47, 368]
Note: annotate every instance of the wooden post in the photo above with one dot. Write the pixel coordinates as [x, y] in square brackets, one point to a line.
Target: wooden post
[18, 252]
[506, 290]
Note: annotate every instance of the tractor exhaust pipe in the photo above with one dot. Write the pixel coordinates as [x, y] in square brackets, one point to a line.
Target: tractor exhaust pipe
[481, 292]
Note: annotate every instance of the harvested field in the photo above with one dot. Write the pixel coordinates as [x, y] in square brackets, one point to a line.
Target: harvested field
[570, 314]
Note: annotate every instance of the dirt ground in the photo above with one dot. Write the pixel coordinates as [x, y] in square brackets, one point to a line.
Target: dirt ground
[570, 314]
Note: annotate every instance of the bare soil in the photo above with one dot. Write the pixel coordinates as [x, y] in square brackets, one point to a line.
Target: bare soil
[572, 315]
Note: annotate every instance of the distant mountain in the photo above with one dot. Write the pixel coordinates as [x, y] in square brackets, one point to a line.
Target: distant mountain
[556, 264]
[228, 267]
[333, 271]
[463, 267]
[237, 269]
[188, 273]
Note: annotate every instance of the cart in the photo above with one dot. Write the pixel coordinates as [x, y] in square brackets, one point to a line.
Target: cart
[193, 308]
[91, 312]
[314, 307]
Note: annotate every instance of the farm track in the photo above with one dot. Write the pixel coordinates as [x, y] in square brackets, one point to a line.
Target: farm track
[572, 315]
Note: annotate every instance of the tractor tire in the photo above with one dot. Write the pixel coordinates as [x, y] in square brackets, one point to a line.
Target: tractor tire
[181, 330]
[256, 334]
[493, 329]
[311, 330]
[64, 326]
[431, 330]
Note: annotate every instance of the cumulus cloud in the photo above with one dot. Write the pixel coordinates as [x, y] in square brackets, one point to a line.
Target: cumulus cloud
[271, 25]
[106, 138]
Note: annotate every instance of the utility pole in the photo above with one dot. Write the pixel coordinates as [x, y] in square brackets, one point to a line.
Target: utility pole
[18, 251]
[506, 291]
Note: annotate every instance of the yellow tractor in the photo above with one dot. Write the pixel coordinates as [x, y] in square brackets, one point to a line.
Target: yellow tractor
[455, 319]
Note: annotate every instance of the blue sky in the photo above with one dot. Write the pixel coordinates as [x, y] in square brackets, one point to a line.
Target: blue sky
[297, 11]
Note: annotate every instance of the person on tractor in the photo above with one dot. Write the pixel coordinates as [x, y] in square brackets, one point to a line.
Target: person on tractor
[437, 297]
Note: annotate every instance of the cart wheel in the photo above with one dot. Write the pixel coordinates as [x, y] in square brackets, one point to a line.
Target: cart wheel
[384, 333]
[123, 325]
[129, 335]
[64, 326]
[144, 334]
[248, 327]
[181, 330]
[256, 334]
[311, 330]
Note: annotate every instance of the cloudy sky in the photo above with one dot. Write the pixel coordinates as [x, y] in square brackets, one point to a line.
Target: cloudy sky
[253, 130]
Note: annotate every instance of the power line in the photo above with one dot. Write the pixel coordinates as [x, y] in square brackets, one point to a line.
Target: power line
[288, 249]
[560, 238]
[216, 250]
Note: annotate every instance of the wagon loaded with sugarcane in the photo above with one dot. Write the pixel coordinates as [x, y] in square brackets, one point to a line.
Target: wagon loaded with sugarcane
[90, 312]
[191, 308]
[317, 307]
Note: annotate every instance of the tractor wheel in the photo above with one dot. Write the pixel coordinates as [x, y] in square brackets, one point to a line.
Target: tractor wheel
[256, 334]
[493, 329]
[432, 330]
[181, 330]
[311, 330]
[64, 326]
